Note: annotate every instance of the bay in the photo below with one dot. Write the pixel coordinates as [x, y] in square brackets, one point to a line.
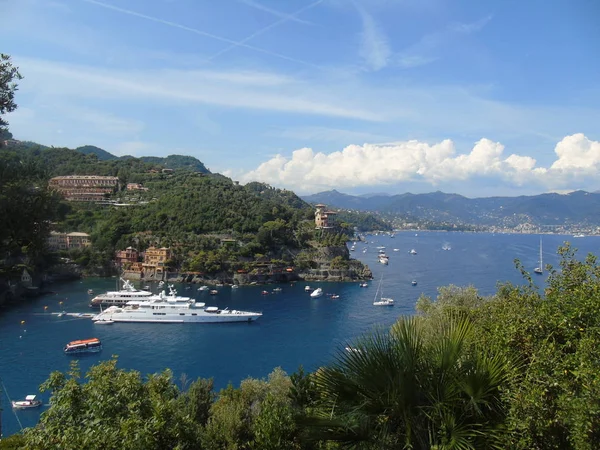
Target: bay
[294, 329]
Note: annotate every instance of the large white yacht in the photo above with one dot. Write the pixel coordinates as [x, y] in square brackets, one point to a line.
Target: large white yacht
[121, 297]
[172, 308]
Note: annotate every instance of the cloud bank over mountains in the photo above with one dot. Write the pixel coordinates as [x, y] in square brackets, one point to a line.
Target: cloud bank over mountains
[577, 165]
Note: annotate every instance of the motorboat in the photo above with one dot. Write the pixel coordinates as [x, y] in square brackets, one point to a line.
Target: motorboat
[90, 291]
[413, 282]
[172, 308]
[126, 294]
[364, 284]
[335, 295]
[104, 322]
[203, 288]
[29, 402]
[213, 292]
[92, 345]
[277, 290]
[383, 258]
[307, 288]
[264, 293]
[234, 286]
[318, 292]
[350, 349]
[412, 251]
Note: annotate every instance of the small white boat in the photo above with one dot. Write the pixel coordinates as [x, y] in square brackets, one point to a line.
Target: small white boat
[364, 284]
[29, 402]
[307, 288]
[413, 282]
[413, 251]
[90, 291]
[234, 286]
[213, 292]
[335, 295]
[396, 249]
[60, 314]
[203, 288]
[103, 322]
[277, 289]
[316, 293]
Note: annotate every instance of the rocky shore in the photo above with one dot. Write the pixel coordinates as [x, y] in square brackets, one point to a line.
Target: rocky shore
[317, 264]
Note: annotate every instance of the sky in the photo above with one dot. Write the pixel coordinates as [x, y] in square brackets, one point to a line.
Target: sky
[389, 96]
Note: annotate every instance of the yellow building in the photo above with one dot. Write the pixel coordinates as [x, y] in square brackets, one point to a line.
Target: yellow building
[68, 241]
[324, 218]
[155, 259]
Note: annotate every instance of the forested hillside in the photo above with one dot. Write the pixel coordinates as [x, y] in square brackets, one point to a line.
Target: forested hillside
[188, 209]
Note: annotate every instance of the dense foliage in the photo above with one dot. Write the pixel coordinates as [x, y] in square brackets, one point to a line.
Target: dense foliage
[516, 370]
[26, 207]
[9, 75]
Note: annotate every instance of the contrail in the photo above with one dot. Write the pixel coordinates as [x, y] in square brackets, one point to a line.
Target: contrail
[266, 9]
[196, 31]
[267, 28]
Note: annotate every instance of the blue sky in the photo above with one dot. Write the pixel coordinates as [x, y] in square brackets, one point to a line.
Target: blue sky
[478, 98]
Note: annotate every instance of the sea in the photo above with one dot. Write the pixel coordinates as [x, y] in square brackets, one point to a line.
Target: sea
[294, 330]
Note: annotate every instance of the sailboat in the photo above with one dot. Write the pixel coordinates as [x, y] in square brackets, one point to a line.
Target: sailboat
[379, 300]
[540, 269]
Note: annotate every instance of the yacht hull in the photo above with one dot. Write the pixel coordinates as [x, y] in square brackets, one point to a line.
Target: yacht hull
[186, 318]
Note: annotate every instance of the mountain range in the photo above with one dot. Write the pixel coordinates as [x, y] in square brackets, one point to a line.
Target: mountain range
[575, 208]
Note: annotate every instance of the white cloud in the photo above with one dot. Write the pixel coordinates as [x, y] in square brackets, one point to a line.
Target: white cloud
[374, 47]
[372, 165]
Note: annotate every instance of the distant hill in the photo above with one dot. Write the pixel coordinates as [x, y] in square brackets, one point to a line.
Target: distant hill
[102, 155]
[177, 162]
[578, 207]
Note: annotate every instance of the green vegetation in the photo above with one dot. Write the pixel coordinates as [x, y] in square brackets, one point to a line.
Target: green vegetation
[9, 75]
[26, 207]
[515, 370]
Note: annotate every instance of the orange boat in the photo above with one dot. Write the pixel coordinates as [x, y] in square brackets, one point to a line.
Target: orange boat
[92, 345]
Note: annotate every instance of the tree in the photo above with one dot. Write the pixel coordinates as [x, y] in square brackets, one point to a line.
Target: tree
[8, 76]
[406, 389]
[116, 408]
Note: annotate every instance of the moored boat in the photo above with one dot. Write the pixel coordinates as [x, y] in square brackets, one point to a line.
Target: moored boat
[172, 308]
[318, 292]
[29, 402]
[126, 294]
[92, 345]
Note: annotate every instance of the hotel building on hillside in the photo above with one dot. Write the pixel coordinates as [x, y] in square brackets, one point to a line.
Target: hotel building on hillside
[155, 259]
[323, 218]
[68, 241]
[85, 188]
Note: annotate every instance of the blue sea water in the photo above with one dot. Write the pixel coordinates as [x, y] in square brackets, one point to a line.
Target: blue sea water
[294, 330]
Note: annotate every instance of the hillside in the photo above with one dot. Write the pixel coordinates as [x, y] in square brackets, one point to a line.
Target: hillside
[577, 208]
[102, 155]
